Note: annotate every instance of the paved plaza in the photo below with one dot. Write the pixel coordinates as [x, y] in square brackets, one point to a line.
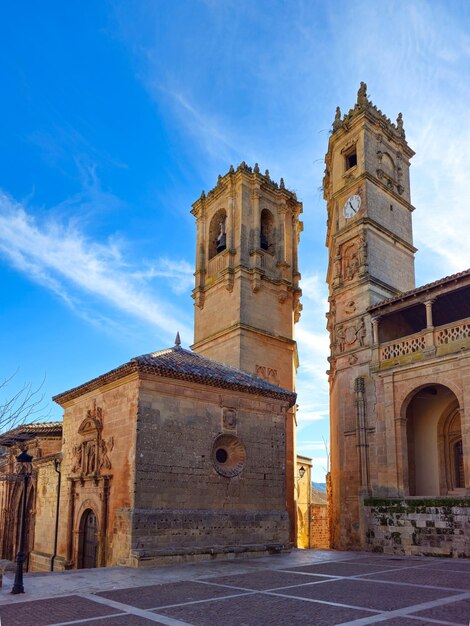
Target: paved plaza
[301, 588]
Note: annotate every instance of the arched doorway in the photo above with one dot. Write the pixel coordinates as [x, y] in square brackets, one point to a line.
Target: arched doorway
[88, 544]
[434, 439]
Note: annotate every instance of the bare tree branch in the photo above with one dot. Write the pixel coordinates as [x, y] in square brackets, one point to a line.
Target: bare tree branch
[23, 406]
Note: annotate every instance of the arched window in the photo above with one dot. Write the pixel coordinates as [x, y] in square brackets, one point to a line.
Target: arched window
[217, 233]
[267, 231]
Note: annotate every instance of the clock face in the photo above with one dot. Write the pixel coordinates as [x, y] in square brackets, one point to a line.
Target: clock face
[351, 206]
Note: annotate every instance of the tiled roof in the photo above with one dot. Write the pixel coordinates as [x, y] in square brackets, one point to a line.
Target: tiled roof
[417, 290]
[182, 364]
[30, 431]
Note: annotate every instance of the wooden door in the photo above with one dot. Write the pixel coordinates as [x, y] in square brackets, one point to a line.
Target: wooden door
[89, 551]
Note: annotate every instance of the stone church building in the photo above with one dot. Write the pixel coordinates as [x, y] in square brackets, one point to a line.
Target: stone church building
[181, 454]
[400, 360]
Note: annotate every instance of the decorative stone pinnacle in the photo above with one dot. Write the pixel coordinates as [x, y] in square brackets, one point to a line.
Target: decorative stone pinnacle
[400, 128]
[267, 174]
[177, 340]
[281, 184]
[256, 168]
[337, 122]
[232, 169]
[362, 95]
[203, 194]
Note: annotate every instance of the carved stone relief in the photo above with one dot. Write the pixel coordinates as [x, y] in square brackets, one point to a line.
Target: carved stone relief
[229, 419]
[350, 261]
[347, 335]
[92, 454]
[269, 374]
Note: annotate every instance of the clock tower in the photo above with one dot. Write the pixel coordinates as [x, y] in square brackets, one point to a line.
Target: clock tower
[371, 258]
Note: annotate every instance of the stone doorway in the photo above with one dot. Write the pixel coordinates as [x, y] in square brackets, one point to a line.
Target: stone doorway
[88, 548]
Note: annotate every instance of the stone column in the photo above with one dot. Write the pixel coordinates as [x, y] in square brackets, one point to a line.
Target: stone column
[375, 357]
[430, 348]
[361, 431]
[428, 304]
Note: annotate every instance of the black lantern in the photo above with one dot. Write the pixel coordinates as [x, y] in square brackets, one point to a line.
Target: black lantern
[301, 471]
[24, 461]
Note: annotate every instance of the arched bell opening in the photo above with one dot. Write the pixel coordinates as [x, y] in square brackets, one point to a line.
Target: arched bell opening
[434, 442]
[217, 233]
[267, 231]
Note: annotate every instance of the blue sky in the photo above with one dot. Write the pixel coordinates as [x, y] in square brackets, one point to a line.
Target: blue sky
[115, 115]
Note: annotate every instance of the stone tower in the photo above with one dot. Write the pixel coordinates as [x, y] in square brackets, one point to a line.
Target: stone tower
[247, 295]
[371, 258]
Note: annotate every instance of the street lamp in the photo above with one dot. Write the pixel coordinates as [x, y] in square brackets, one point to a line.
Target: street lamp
[301, 471]
[24, 461]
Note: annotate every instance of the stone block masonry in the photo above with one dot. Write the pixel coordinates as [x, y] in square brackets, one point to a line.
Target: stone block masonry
[421, 527]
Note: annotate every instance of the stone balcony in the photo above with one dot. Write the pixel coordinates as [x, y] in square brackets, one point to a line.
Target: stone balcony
[430, 342]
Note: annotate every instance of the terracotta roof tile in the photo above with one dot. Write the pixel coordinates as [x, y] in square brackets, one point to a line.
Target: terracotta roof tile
[427, 287]
[30, 431]
[182, 364]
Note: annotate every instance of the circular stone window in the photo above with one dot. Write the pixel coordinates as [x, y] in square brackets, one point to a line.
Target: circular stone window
[228, 455]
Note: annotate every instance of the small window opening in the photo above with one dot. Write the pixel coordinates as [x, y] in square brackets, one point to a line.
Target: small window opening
[351, 160]
[221, 455]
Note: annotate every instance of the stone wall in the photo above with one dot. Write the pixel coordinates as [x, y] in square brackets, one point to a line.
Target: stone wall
[319, 527]
[45, 516]
[183, 504]
[426, 527]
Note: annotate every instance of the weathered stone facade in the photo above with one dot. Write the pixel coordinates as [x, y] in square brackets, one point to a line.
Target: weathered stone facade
[430, 527]
[400, 360]
[43, 442]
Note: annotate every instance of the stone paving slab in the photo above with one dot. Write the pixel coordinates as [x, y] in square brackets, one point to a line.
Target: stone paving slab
[267, 580]
[456, 565]
[43, 612]
[426, 576]
[407, 621]
[289, 589]
[342, 569]
[368, 595]
[154, 596]
[123, 620]
[392, 562]
[263, 610]
[456, 612]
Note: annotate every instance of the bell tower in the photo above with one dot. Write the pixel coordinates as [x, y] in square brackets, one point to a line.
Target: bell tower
[371, 258]
[247, 294]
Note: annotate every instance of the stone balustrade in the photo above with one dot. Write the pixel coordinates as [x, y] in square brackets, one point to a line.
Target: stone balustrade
[430, 341]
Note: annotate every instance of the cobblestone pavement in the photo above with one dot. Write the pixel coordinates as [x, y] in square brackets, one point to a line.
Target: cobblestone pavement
[305, 587]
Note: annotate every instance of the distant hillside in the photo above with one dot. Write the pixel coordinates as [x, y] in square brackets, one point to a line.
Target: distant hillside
[319, 487]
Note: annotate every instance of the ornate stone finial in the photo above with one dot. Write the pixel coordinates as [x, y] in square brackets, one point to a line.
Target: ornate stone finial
[177, 341]
[219, 178]
[337, 122]
[281, 184]
[203, 194]
[232, 169]
[267, 174]
[362, 95]
[256, 168]
[400, 128]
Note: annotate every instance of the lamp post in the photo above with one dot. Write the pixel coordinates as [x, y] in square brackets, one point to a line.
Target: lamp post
[24, 461]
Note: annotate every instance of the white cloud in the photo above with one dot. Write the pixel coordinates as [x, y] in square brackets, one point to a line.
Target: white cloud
[64, 261]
